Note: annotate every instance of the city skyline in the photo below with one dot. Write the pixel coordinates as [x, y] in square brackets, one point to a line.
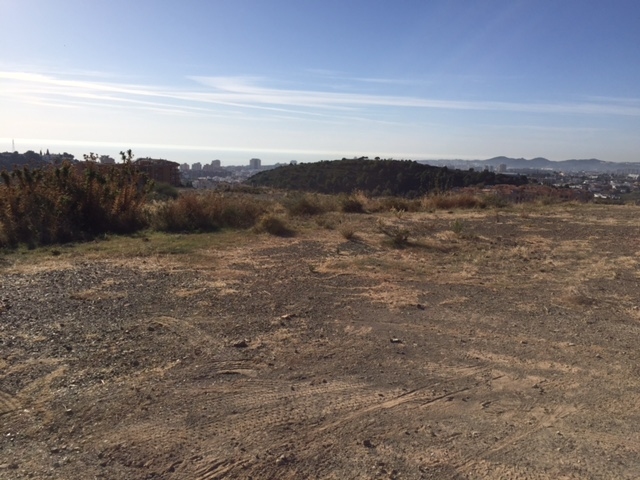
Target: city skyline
[196, 81]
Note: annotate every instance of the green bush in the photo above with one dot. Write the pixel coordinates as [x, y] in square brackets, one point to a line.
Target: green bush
[163, 191]
[458, 226]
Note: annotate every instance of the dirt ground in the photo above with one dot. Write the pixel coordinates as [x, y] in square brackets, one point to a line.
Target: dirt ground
[493, 345]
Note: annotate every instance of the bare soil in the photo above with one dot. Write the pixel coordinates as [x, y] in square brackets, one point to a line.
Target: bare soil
[493, 345]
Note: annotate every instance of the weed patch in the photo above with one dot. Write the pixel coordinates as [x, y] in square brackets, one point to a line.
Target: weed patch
[397, 236]
[274, 225]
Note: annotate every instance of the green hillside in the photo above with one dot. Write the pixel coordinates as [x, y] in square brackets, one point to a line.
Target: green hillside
[377, 177]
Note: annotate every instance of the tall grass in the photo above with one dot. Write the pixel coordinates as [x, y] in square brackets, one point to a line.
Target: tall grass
[67, 203]
[307, 204]
[452, 201]
[209, 211]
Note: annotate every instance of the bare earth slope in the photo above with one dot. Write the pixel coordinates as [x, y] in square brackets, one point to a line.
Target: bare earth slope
[491, 347]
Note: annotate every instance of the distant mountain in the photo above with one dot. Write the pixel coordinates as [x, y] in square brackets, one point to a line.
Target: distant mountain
[573, 165]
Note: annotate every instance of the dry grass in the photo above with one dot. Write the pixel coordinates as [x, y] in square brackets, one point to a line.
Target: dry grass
[308, 204]
[467, 246]
[69, 203]
[348, 232]
[452, 201]
[274, 225]
[193, 212]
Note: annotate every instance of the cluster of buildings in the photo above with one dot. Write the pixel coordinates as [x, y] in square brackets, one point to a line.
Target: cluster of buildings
[197, 175]
[211, 174]
[599, 185]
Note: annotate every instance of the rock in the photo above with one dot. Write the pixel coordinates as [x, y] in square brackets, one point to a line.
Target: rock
[240, 344]
[395, 340]
[367, 444]
[284, 459]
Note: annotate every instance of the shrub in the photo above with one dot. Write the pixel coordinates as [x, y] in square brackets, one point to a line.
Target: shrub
[347, 232]
[458, 226]
[397, 236]
[163, 191]
[270, 223]
[351, 204]
[305, 204]
[495, 201]
[326, 222]
[70, 202]
[206, 212]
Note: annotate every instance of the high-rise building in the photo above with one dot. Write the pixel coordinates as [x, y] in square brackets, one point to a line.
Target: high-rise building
[254, 163]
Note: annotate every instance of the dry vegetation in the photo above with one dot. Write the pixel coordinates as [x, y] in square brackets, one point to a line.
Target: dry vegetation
[428, 338]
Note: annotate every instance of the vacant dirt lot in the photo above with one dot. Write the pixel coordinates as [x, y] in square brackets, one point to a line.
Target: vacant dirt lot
[493, 345]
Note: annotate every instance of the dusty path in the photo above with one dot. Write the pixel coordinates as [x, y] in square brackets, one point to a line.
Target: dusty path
[507, 350]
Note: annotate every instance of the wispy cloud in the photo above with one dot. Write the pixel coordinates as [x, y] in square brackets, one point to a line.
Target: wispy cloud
[209, 94]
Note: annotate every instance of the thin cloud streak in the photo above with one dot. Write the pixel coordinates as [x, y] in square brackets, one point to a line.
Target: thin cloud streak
[247, 92]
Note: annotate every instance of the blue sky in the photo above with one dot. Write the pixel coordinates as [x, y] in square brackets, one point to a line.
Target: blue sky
[309, 80]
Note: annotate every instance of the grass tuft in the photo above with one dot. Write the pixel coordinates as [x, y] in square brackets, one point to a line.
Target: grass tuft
[274, 225]
[397, 236]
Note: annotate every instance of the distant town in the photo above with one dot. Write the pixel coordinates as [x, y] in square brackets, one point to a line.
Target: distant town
[604, 180]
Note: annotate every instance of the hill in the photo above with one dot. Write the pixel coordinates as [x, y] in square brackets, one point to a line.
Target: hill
[539, 163]
[377, 177]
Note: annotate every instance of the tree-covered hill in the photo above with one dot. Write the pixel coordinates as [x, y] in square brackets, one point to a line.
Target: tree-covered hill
[377, 177]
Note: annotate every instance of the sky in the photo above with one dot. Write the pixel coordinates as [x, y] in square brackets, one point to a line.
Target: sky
[279, 80]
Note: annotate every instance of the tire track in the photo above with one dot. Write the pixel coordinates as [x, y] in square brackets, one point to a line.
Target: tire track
[8, 403]
[510, 441]
[216, 469]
